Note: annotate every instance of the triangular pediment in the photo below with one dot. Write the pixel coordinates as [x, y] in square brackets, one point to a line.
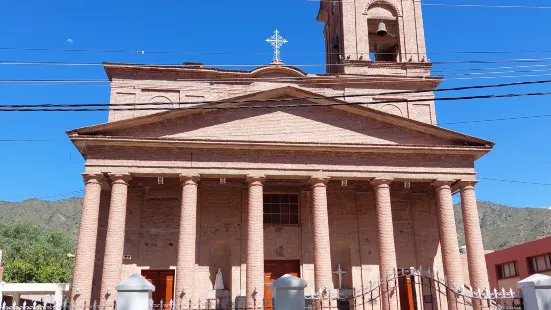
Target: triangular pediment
[313, 123]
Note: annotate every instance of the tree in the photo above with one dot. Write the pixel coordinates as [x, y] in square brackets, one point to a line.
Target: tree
[34, 254]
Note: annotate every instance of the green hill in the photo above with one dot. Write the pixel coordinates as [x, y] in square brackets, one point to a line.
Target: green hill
[63, 215]
[502, 226]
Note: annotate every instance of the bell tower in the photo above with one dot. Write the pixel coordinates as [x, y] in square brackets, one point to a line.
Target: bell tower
[374, 37]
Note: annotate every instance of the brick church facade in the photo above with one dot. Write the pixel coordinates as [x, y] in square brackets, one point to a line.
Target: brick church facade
[364, 183]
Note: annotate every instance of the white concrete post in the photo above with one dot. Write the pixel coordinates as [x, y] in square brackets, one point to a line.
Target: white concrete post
[536, 292]
[134, 293]
[58, 298]
[288, 293]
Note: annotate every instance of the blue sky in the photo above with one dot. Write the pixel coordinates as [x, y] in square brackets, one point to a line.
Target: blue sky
[51, 169]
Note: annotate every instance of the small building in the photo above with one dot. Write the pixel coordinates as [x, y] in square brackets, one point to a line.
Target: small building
[508, 266]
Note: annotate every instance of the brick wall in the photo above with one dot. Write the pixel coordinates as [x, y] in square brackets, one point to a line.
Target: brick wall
[152, 232]
[266, 125]
[143, 90]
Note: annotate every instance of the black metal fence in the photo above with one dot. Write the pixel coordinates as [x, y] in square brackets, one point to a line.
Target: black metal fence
[406, 289]
[412, 289]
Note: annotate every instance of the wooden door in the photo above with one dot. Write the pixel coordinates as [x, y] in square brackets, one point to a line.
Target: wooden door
[163, 280]
[406, 287]
[273, 270]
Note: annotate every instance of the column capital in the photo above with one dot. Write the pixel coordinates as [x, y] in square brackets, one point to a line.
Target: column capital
[120, 178]
[94, 177]
[191, 177]
[467, 184]
[318, 180]
[442, 183]
[256, 180]
[381, 181]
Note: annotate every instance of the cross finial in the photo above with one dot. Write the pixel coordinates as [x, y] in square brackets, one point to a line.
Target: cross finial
[339, 272]
[276, 41]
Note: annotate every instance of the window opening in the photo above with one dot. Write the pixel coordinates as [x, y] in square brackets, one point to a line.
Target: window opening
[507, 270]
[540, 263]
[281, 209]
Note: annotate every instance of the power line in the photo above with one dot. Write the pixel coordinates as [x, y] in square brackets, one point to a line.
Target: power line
[271, 106]
[456, 5]
[145, 52]
[514, 181]
[491, 68]
[496, 119]
[24, 140]
[56, 195]
[293, 133]
[64, 63]
[487, 6]
[79, 192]
[278, 100]
[319, 80]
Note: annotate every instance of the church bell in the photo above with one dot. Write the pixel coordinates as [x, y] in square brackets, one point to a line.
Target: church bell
[381, 30]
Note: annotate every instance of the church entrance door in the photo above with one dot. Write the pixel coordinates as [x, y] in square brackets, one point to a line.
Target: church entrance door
[273, 270]
[407, 291]
[163, 280]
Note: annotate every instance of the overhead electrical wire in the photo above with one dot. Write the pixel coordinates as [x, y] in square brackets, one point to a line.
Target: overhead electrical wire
[105, 107]
[279, 100]
[279, 133]
[78, 193]
[455, 5]
[308, 80]
[145, 52]
[65, 63]
[515, 181]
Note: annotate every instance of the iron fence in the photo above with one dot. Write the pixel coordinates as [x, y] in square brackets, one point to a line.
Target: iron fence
[406, 289]
[414, 289]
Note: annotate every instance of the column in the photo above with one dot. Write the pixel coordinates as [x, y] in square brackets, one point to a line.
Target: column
[114, 242]
[255, 243]
[448, 239]
[385, 242]
[83, 273]
[473, 237]
[185, 266]
[323, 277]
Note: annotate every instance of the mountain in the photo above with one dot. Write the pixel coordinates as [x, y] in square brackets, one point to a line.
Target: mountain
[502, 226]
[62, 214]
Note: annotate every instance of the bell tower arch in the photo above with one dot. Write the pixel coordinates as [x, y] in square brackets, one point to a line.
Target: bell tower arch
[368, 36]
